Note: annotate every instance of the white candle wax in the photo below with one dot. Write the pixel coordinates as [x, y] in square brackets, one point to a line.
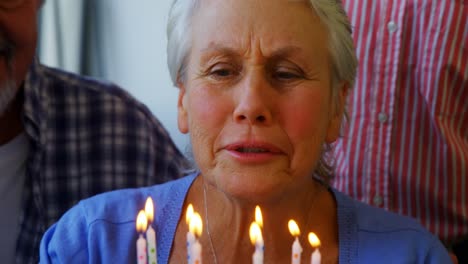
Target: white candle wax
[316, 257]
[141, 224]
[190, 240]
[151, 237]
[255, 233]
[257, 257]
[196, 252]
[195, 248]
[296, 252]
[141, 250]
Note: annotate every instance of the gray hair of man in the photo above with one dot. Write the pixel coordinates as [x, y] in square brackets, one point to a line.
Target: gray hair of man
[341, 51]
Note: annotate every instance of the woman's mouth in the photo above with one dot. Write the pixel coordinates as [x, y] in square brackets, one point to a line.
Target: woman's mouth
[251, 150]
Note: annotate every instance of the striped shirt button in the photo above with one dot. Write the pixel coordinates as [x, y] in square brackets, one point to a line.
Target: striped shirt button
[383, 117]
[378, 200]
[392, 26]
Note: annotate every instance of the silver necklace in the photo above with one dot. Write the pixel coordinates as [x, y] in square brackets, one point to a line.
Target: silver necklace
[213, 252]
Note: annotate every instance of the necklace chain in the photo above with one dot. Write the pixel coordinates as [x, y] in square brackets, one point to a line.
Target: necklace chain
[213, 252]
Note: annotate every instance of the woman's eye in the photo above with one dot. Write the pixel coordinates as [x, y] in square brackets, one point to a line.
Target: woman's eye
[221, 72]
[285, 75]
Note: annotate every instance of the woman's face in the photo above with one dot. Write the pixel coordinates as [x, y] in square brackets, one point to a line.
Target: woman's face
[256, 97]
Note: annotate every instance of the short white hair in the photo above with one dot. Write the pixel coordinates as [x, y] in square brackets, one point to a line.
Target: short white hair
[330, 13]
[340, 47]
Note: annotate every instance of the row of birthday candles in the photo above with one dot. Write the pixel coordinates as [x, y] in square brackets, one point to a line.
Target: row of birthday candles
[146, 249]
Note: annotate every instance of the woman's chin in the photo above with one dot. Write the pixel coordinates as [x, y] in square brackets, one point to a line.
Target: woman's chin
[256, 184]
[251, 191]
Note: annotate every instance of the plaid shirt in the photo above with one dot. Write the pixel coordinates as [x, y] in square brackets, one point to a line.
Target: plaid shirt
[86, 137]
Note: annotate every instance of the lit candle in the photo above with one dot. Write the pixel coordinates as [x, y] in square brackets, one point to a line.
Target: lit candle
[150, 233]
[256, 238]
[314, 241]
[296, 246]
[258, 216]
[196, 227]
[190, 235]
[141, 241]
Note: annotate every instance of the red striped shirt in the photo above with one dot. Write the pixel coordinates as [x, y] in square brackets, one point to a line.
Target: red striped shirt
[405, 147]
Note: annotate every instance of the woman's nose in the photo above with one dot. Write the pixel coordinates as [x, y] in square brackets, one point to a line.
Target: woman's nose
[254, 101]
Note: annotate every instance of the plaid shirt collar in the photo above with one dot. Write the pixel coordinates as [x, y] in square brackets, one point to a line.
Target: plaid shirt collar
[35, 103]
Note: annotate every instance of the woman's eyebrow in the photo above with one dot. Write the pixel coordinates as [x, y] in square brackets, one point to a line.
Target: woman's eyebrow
[220, 49]
[285, 51]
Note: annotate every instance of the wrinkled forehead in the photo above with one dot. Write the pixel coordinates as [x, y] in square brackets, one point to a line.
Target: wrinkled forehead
[247, 8]
[268, 25]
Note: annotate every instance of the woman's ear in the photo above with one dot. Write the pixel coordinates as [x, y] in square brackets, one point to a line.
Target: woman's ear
[182, 114]
[338, 111]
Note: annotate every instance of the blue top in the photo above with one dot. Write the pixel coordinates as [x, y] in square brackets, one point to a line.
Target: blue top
[85, 137]
[102, 230]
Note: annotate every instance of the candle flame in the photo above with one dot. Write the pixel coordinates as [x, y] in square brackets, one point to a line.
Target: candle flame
[149, 209]
[141, 222]
[196, 224]
[258, 216]
[293, 228]
[255, 233]
[314, 240]
[189, 214]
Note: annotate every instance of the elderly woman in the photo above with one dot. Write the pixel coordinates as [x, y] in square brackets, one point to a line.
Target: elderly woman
[262, 94]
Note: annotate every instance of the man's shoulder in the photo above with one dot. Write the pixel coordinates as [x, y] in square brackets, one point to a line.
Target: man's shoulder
[70, 101]
[64, 88]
